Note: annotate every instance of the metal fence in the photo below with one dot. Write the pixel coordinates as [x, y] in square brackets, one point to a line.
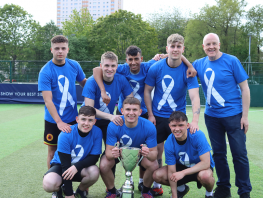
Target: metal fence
[27, 71]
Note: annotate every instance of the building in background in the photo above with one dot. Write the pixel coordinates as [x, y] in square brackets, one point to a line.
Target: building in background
[97, 8]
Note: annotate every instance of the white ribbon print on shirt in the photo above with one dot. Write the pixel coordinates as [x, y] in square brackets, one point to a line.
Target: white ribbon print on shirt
[136, 89]
[211, 90]
[75, 157]
[167, 96]
[66, 96]
[103, 106]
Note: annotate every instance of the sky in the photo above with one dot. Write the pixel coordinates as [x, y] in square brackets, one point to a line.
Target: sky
[45, 12]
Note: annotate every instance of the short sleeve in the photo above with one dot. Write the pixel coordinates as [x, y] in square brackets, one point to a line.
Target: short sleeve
[146, 65]
[111, 134]
[63, 143]
[239, 72]
[96, 149]
[202, 144]
[151, 76]
[89, 90]
[192, 83]
[80, 75]
[44, 80]
[151, 140]
[170, 158]
[123, 69]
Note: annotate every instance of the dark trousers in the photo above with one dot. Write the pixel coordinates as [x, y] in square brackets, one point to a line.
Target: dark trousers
[217, 128]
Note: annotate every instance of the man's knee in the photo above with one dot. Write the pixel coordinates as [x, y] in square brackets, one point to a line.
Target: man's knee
[105, 165]
[51, 182]
[91, 172]
[206, 177]
[157, 176]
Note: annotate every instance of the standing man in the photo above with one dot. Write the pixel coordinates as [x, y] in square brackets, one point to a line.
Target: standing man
[115, 84]
[76, 157]
[168, 76]
[135, 71]
[224, 81]
[130, 135]
[57, 83]
[188, 158]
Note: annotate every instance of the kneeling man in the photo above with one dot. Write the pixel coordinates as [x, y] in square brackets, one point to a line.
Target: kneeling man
[188, 158]
[76, 157]
[135, 132]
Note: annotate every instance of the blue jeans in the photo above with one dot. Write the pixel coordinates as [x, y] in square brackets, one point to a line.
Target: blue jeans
[217, 127]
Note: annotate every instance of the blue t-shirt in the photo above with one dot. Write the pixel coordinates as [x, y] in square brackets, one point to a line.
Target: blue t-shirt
[143, 133]
[119, 85]
[189, 153]
[136, 81]
[170, 88]
[61, 82]
[220, 79]
[78, 147]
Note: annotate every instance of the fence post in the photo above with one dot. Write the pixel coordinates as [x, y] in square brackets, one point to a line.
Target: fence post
[10, 75]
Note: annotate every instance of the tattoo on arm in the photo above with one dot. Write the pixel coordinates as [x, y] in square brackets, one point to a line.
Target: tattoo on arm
[198, 111]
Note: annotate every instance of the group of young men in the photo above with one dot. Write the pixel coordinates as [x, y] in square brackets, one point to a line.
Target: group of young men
[159, 121]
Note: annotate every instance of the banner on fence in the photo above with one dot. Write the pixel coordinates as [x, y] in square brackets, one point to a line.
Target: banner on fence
[27, 94]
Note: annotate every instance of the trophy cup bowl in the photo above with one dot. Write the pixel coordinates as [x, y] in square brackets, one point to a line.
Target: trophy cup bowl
[129, 157]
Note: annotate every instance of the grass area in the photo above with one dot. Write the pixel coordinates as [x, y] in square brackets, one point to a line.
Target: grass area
[23, 155]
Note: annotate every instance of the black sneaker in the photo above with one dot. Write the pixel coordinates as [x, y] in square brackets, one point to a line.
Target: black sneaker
[58, 194]
[80, 194]
[245, 195]
[222, 192]
[140, 186]
[182, 194]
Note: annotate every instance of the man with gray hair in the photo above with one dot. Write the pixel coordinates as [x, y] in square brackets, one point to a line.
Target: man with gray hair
[168, 76]
[224, 80]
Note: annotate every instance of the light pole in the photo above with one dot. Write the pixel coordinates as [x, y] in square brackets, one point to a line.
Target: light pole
[249, 57]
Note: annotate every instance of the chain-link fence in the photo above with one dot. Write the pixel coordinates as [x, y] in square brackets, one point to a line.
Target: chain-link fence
[27, 71]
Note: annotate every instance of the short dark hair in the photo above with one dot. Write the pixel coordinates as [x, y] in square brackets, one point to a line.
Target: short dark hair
[178, 116]
[133, 51]
[59, 39]
[87, 111]
[131, 100]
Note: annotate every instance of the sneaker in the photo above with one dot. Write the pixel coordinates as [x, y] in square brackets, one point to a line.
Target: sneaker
[109, 195]
[222, 192]
[118, 192]
[212, 196]
[245, 195]
[182, 194]
[157, 191]
[80, 194]
[147, 195]
[57, 195]
[140, 186]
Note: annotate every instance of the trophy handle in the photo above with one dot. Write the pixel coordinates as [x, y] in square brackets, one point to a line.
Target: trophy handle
[141, 157]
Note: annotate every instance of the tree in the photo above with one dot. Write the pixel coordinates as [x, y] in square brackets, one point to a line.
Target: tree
[16, 30]
[41, 41]
[121, 29]
[79, 24]
[167, 22]
[254, 25]
[223, 19]
[79, 48]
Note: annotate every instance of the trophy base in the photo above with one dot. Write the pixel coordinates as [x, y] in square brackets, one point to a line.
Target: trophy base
[127, 195]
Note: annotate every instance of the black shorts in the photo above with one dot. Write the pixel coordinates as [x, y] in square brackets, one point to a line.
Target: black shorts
[52, 132]
[188, 178]
[143, 116]
[57, 168]
[103, 125]
[162, 128]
